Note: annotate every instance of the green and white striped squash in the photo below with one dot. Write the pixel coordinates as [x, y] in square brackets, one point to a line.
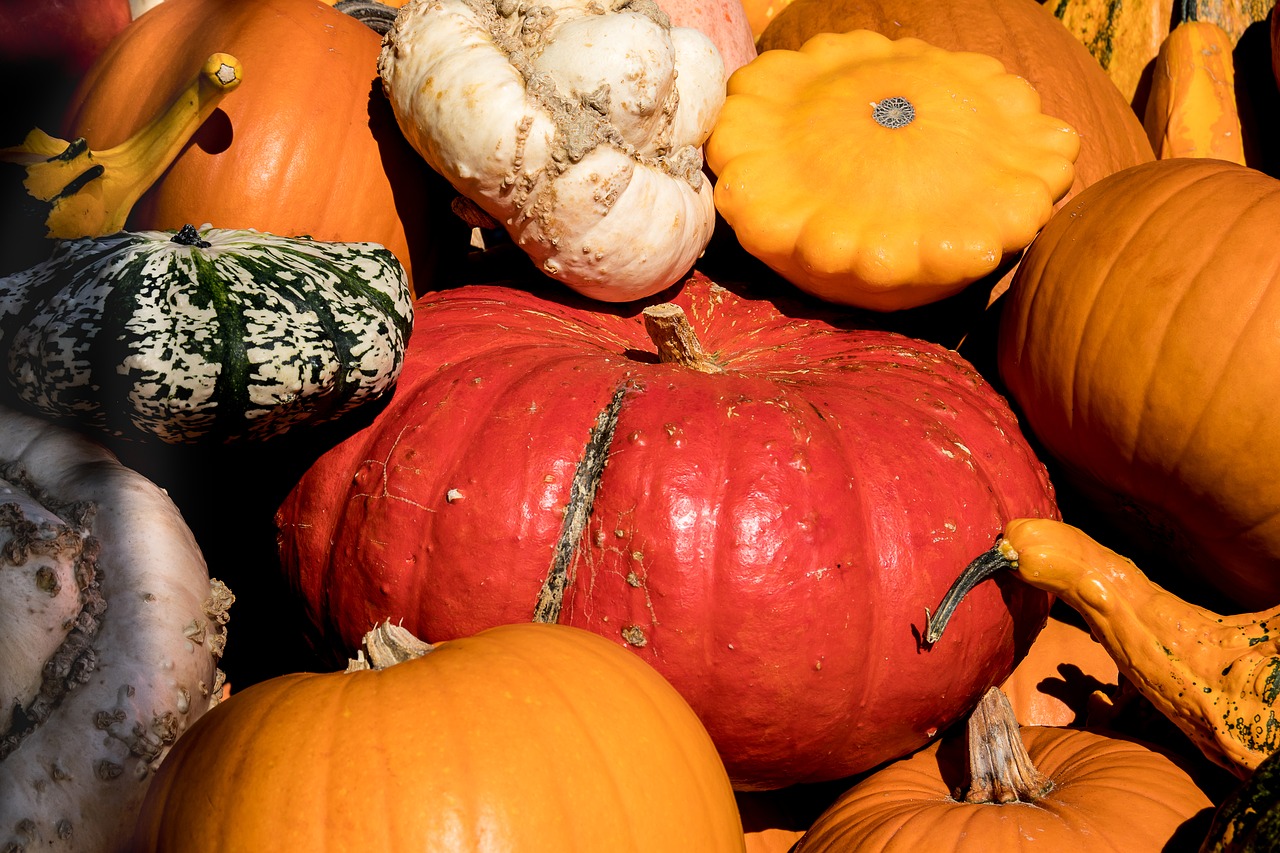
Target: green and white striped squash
[204, 335]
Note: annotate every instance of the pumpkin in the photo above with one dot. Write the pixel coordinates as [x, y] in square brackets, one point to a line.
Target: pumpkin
[1065, 672]
[1026, 788]
[1245, 821]
[1028, 42]
[1138, 343]
[204, 335]
[567, 125]
[1214, 676]
[275, 157]
[1123, 35]
[953, 165]
[1191, 110]
[774, 485]
[522, 737]
[110, 635]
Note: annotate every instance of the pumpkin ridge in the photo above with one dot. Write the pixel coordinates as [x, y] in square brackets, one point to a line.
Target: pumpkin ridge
[1226, 229]
[582, 493]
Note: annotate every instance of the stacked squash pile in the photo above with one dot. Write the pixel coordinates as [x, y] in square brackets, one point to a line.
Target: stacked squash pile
[641, 426]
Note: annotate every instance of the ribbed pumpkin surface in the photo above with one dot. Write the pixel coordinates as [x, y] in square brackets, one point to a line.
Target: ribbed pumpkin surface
[1140, 343]
[766, 536]
[1109, 796]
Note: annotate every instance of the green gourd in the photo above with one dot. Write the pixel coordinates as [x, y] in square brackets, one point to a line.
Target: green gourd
[204, 335]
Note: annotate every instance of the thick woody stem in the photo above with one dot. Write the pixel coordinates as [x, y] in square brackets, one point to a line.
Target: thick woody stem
[1000, 770]
[677, 343]
[388, 645]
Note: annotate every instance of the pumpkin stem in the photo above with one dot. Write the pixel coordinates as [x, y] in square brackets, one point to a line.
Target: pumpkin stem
[1000, 558]
[1000, 770]
[677, 343]
[92, 192]
[388, 645]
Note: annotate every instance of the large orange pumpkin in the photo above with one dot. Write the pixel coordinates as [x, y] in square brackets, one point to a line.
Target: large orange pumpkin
[524, 737]
[1139, 339]
[308, 146]
[1025, 37]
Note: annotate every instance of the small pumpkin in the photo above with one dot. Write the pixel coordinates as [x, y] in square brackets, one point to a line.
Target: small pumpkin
[774, 483]
[275, 157]
[1138, 342]
[205, 334]
[1032, 788]
[1214, 676]
[1191, 110]
[578, 128]
[522, 737]
[953, 165]
[111, 631]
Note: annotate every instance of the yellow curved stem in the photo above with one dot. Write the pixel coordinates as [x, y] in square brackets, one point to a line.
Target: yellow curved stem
[92, 192]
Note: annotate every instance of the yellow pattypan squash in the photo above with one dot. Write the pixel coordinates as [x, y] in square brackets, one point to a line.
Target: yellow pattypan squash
[885, 174]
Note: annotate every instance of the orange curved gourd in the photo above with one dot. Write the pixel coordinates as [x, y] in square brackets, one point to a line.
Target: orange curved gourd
[1191, 110]
[1215, 676]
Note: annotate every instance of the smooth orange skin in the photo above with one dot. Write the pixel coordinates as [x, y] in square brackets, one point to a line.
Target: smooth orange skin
[1109, 794]
[527, 737]
[307, 145]
[1139, 341]
[1051, 686]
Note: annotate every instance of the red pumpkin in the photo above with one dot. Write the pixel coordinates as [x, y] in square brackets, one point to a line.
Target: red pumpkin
[308, 146]
[767, 522]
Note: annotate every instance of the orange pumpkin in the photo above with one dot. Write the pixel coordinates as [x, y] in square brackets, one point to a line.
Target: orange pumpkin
[308, 146]
[1046, 789]
[1138, 338]
[524, 737]
[1065, 665]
